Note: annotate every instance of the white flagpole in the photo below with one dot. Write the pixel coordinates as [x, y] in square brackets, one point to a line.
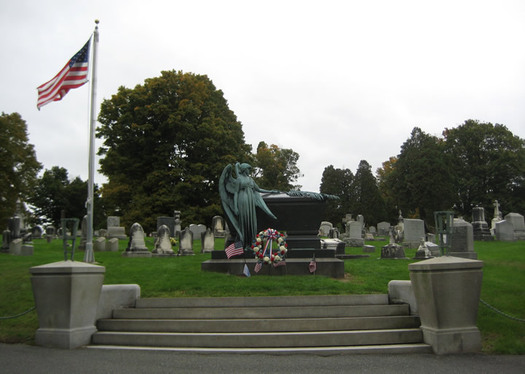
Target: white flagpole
[88, 254]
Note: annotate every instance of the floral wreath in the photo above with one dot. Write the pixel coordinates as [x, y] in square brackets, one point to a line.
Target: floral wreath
[263, 248]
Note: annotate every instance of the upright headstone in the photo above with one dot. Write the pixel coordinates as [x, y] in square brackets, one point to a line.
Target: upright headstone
[392, 251]
[6, 239]
[356, 235]
[505, 231]
[112, 245]
[15, 224]
[197, 230]
[519, 225]
[479, 225]
[114, 228]
[169, 222]
[207, 241]
[496, 218]
[186, 242]
[218, 227]
[462, 244]
[37, 232]
[50, 233]
[383, 228]
[178, 223]
[414, 230]
[99, 244]
[324, 229]
[137, 245]
[163, 242]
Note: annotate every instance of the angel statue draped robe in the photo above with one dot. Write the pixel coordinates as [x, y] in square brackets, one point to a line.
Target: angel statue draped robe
[240, 198]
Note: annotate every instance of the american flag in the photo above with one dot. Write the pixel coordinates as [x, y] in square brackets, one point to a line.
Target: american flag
[257, 267]
[73, 75]
[234, 249]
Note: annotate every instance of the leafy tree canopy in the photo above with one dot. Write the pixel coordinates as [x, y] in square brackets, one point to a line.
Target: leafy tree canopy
[18, 164]
[276, 168]
[166, 143]
[337, 182]
[488, 163]
[55, 193]
[365, 197]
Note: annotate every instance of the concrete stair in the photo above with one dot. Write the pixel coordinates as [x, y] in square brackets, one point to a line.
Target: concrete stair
[324, 324]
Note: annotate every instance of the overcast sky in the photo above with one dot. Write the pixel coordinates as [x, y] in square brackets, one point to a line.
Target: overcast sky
[336, 81]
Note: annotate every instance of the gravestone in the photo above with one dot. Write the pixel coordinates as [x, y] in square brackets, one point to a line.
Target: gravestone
[6, 239]
[423, 252]
[186, 242]
[361, 219]
[414, 230]
[505, 231]
[462, 244]
[197, 230]
[50, 233]
[324, 229]
[479, 225]
[15, 247]
[218, 227]
[372, 230]
[519, 225]
[207, 241]
[169, 222]
[383, 228]
[334, 233]
[178, 223]
[136, 245]
[356, 235]
[114, 228]
[37, 232]
[496, 217]
[369, 249]
[392, 251]
[163, 242]
[112, 245]
[99, 244]
[15, 225]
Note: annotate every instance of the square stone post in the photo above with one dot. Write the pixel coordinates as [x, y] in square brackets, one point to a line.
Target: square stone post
[66, 297]
[447, 291]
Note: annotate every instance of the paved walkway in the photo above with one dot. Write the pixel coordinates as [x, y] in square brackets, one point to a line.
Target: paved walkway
[31, 359]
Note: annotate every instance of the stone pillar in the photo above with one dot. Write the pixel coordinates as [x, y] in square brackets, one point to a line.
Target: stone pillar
[447, 291]
[66, 297]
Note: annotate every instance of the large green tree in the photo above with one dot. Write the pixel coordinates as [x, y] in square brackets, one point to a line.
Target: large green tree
[276, 168]
[18, 164]
[422, 181]
[55, 193]
[166, 143]
[488, 163]
[365, 197]
[337, 182]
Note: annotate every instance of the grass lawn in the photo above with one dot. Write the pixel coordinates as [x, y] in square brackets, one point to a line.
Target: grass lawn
[503, 284]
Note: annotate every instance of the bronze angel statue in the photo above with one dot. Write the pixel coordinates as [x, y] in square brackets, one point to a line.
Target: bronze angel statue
[240, 198]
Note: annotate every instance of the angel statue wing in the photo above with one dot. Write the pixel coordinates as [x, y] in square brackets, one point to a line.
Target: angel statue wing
[228, 187]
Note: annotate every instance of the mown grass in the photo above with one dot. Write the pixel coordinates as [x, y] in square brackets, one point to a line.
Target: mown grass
[503, 284]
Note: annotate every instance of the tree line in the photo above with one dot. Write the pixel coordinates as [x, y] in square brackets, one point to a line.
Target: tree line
[166, 142]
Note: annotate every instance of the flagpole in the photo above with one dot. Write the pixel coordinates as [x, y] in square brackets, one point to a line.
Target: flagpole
[88, 254]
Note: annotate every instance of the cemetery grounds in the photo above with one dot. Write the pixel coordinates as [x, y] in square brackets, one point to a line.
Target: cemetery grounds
[501, 322]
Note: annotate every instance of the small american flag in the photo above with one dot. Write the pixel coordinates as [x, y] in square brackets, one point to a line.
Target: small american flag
[73, 75]
[234, 249]
[257, 267]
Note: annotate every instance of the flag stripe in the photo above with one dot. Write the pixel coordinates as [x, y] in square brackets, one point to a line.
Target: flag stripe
[234, 249]
[73, 75]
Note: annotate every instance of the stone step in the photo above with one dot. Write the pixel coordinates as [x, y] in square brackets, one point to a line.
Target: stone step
[322, 351]
[258, 325]
[260, 339]
[254, 301]
[263, 312]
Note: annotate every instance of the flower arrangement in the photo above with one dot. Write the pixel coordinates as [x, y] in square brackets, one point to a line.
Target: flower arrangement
[264, 251]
